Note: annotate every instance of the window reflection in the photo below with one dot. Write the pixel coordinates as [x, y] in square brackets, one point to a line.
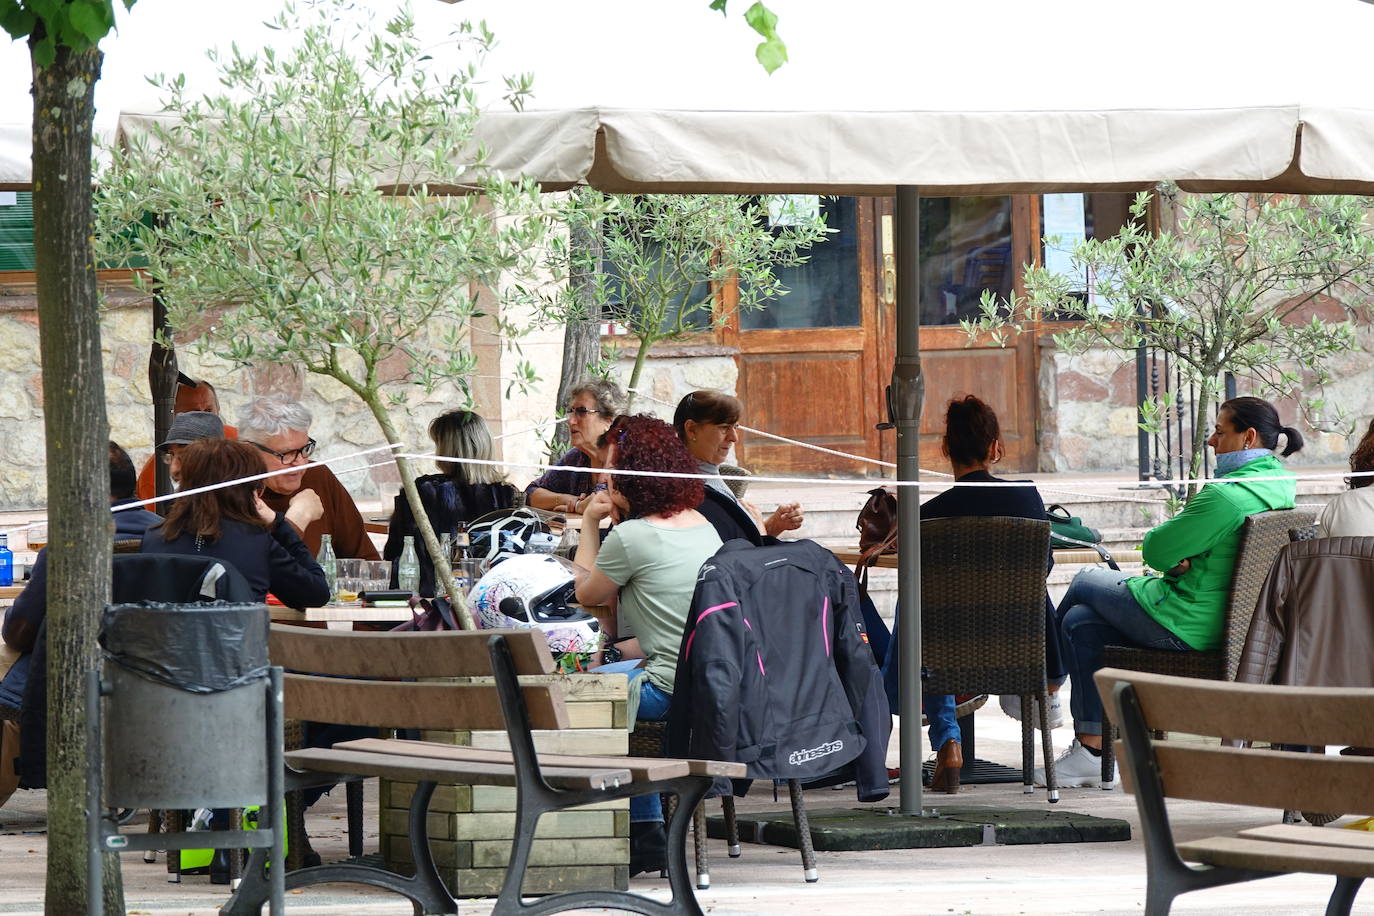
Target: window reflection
[824, 291]
[1068, 219]
[965, 249]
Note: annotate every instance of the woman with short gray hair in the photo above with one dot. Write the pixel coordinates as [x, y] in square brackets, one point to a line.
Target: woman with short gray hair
[592, 406]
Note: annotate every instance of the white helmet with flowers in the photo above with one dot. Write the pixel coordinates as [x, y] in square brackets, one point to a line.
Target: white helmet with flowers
[534, 590]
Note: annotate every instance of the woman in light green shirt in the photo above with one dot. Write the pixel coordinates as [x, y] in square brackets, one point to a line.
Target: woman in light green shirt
[650, 560]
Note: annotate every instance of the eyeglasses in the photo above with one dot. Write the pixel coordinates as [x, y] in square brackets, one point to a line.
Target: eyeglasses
[582, 411]
[291, 456]
[166, 456]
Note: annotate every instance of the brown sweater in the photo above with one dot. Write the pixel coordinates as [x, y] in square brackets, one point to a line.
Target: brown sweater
[341, 517]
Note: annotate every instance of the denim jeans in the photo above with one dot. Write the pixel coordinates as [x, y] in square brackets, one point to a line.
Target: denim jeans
[1099, 610]
[938, 709]
[653, 704]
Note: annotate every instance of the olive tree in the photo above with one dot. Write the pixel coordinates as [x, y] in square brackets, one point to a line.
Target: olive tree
[296, 221]
[1231, 287]
[665, 260]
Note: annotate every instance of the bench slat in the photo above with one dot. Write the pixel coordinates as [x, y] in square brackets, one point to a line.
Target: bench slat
[643, 769]
[1316, 836]
[1254, 712]
[1238, 852]
[392, 704]
[467, 772]
[393, 655]
[1272, 779]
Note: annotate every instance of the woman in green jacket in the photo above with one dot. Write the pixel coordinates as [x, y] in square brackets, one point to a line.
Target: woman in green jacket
[1183, 609]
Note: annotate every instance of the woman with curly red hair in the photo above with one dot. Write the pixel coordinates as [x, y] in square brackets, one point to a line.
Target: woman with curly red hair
[650, 559]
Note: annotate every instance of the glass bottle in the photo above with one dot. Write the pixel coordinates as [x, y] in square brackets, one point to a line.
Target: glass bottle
[328, 562]
[408, 567]
[6, 561]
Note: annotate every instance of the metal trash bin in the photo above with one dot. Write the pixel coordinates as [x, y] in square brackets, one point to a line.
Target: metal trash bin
[186, 713]
[203, 669]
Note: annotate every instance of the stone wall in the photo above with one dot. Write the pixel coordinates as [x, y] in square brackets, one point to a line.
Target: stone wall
[342, 424]
[1088, 408]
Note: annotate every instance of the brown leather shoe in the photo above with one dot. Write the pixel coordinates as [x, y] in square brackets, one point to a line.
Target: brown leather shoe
[948, 762]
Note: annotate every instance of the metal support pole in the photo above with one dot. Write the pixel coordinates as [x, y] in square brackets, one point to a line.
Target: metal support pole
[908, 390]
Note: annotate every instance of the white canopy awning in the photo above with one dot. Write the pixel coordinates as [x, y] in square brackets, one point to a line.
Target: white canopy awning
[983, 96]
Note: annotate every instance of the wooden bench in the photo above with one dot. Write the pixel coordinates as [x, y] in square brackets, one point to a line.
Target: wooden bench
[369, 679]
[1155, 770]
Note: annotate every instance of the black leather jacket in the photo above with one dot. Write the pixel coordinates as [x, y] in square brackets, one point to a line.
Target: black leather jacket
[775, 670]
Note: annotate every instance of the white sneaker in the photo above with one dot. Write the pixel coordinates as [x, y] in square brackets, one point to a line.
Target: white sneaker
[1075, 768]
[1011, 705]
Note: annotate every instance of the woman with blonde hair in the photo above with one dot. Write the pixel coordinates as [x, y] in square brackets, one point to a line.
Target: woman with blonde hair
[458, 494]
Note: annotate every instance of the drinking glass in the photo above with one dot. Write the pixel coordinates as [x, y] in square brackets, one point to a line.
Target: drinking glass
[349, 581]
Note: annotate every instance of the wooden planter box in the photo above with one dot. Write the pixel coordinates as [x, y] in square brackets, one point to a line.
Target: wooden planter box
[470, 827]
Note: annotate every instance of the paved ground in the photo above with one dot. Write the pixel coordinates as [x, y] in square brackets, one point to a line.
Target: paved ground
[1088, 878]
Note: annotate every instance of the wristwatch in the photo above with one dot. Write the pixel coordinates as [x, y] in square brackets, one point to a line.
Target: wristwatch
[611, 654]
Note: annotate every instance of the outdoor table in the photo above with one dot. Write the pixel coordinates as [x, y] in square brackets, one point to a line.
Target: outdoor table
[1068, 556]
[340, 617]
[9, 592]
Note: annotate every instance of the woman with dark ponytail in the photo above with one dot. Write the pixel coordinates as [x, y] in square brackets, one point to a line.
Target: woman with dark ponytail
[1184, 608]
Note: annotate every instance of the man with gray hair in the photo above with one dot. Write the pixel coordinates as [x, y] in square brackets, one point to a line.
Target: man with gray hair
[279, 428]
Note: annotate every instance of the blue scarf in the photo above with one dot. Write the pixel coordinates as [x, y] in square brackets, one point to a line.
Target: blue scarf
[1234, 461]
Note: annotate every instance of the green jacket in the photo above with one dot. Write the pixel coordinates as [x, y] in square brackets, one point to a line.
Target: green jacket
[1207, 532]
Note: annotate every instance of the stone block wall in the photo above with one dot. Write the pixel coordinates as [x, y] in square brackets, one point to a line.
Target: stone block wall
[470, 827]
[1088, 408]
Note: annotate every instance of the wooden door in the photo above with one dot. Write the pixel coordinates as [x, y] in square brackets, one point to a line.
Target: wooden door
[968, 245]
[809, 364]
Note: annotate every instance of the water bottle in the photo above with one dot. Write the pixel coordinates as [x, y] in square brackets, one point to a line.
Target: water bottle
[408, 567]
[328, 562]
[6, 561]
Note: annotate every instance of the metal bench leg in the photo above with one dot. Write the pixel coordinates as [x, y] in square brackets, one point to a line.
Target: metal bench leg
[808, 851]
[1343, 896]
[727, 808]
[699, 847]
[354, 796]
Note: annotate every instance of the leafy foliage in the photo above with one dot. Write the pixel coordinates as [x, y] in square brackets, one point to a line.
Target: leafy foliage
[669, 257]
[75, 24]
[771, 52]
[295, 218]
[1225, 291]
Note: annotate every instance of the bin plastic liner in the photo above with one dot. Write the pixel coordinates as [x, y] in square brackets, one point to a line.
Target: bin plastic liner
[200, 648]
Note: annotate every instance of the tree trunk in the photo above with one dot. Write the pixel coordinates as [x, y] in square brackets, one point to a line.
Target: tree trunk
[443, 572]
[80, 528]
[581, 337]
[162, 381]
[1201, 425]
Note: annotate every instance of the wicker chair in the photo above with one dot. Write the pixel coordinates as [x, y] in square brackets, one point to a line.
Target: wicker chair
[983, 618]
[1261, 538]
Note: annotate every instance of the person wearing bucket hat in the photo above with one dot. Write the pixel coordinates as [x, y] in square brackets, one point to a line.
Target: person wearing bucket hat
[188, 427]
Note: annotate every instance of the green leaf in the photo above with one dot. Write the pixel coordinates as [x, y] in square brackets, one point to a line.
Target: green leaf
[92, 19]
[16, 19]
[718, 6]
[771, 52]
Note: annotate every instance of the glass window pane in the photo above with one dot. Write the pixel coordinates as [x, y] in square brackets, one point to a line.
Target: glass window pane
[823, 292]
[965, 249]
[618, 310]
[1067, 219]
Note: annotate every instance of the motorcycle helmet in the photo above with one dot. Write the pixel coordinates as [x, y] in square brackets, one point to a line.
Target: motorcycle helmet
[509, 532]
[535, 590]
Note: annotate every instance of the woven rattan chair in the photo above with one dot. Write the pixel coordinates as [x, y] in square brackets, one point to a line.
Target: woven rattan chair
[983, 618]
[1261, 538]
